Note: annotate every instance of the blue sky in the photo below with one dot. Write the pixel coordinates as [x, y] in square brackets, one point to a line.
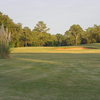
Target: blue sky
[59, 15]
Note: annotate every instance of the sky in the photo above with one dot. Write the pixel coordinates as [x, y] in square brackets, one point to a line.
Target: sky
[59, 15]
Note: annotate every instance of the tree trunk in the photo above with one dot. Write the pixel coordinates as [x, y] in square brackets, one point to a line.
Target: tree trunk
[76, 40]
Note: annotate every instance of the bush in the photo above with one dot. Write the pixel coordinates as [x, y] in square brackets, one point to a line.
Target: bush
[5, 38]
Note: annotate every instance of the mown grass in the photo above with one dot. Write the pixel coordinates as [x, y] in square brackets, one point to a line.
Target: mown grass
[50, 76]
[93, 45]
[93, 48]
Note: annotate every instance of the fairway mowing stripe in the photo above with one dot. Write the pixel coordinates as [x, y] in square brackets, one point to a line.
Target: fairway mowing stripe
[35, 60]
[76, 51]
[30, 60]
[44, 75]
[15, 70]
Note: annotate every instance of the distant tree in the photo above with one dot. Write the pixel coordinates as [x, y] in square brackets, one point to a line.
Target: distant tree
[59, 39]
[75, 32]
[70, 40]
[41, 27]
[93, 34]
[40, 34]
[26, 37]
[16, 32]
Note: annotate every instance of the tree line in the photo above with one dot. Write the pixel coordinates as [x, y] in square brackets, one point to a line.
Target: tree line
[40, 36]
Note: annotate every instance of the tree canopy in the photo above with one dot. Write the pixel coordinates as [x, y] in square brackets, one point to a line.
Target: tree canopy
[40, 36]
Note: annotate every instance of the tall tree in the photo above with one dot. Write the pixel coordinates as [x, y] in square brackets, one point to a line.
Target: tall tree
[59, 39]
[40, 34]
[15, 29]
[93, 34]
[26, 37]
[41, 27]
[75, 31]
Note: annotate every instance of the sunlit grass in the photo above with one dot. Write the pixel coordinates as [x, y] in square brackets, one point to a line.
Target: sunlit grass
[53, 50]
[37, 60]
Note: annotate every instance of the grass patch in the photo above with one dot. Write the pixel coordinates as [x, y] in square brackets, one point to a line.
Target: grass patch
[50, 76]
[67, 49]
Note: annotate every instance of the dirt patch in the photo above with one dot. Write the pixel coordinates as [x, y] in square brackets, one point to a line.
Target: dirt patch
[73, 48]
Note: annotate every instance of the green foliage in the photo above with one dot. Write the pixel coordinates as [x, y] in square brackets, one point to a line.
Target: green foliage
[93, 34]
[26, 37]
[75, 32]
[41, 27]
[39, 36]
[15, 29]
[60, 39]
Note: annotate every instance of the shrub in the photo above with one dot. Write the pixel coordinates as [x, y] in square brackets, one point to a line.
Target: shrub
[5, 38]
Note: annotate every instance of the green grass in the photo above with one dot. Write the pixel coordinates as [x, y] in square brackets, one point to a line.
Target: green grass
[50, 76]
[94, 45]
[92, 48]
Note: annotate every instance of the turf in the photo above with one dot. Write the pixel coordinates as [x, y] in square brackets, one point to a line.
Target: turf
[50, 76]
[73, 49]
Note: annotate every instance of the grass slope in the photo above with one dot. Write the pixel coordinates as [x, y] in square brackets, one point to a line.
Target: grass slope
[50, 76]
